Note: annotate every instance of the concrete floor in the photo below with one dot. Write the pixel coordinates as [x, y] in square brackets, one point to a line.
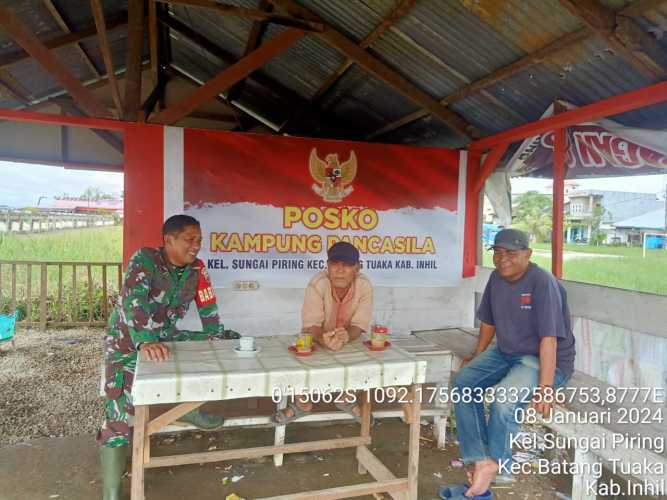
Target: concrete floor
[67, 468]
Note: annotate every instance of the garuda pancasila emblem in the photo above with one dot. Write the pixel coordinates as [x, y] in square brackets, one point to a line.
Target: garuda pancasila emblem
[332, 178]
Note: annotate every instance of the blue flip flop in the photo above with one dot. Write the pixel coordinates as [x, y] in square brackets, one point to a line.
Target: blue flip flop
[458, 493]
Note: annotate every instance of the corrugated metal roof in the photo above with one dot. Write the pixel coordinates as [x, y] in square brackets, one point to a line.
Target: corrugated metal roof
[78, 14]
[428, 131]
[654, 21]
[584, 76]
[356, 85]
[477, 38]
[422, 68]
[485, 114]
[440, 46]
[355, 19]
[305, 65]
[117, 45]
[203, 67]
[34, 14]
[229, 32]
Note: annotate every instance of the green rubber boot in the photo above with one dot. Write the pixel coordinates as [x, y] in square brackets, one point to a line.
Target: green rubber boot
[202, 420]
[114, 461]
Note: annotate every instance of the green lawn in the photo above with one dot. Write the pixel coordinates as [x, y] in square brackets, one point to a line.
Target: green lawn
[628, 270]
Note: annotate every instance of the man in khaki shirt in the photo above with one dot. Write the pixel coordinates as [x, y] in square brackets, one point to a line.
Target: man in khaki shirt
[337, 309]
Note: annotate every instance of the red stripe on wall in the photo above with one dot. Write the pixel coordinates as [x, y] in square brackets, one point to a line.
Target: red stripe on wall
[144, 188]
[224, 167]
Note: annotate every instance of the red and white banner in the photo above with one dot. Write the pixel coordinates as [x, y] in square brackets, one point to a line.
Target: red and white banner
[271, 206]
[596, 148]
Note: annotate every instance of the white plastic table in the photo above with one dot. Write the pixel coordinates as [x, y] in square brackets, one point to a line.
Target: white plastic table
[203, 371]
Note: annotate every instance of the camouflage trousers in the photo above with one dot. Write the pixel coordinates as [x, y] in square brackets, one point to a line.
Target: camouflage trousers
[116, 429]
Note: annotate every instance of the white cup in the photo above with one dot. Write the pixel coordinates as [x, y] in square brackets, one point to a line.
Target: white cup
[247, 343]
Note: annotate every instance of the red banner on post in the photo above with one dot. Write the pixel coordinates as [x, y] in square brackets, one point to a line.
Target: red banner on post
[271, 206]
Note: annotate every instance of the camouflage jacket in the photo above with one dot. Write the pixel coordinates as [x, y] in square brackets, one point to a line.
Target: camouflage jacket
[154, 297]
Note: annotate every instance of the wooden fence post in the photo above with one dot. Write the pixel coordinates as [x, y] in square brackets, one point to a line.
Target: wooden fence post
[42, 298]
[17, 291]
[28, 292]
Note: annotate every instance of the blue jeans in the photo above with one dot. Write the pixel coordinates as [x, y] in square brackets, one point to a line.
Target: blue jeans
[514, 376]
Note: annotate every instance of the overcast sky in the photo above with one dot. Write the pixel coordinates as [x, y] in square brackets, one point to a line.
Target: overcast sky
[21, 184]
[635, 184]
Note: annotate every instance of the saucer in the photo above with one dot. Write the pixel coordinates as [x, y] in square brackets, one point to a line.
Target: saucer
[293, 350]
[368, 344]
[247, 354]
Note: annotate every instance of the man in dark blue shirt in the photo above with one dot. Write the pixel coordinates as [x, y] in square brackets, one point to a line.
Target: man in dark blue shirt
[525, 309]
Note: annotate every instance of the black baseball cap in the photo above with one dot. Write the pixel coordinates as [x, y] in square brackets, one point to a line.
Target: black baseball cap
[343, 252]
[511, 239]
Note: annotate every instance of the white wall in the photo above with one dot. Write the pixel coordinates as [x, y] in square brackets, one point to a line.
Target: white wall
[277, 311]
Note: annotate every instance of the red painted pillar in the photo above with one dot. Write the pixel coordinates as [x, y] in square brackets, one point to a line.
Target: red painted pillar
[471, 235]
[144, 188]
[558, 202]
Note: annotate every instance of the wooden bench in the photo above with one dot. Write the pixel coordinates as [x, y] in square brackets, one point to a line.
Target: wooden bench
[461, 342]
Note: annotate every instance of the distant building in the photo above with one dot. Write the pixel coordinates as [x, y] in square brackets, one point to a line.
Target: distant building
[582, 207]
[631, 231]
[82, 205]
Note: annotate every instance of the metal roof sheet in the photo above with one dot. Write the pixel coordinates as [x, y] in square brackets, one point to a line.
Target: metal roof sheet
[305, 65]
[440, 46]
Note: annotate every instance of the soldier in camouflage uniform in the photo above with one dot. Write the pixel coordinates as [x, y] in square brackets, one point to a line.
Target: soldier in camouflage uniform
[160, 284]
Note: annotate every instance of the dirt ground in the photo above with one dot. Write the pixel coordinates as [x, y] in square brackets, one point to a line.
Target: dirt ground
[50, 408]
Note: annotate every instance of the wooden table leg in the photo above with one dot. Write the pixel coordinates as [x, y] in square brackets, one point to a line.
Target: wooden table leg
[365, 422]
[413, 457]
[138, 450]
[279, 435]
[147, 436]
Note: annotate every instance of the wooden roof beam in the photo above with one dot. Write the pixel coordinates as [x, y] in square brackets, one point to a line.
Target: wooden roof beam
[228, 77]
[394, 16]
[40, 103]
[254, 39]
[153, 41]
[25, 37]
[98, 14]
[381, 71]
[64, 40]
[554, 48]
[254, 14]
[239, 114]
[64, 26]
[622, 34]
[135, 44]
[227, 57]
[295, 101]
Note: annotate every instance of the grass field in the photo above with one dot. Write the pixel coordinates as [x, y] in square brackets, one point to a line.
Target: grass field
[104, 244]
[626, 269]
